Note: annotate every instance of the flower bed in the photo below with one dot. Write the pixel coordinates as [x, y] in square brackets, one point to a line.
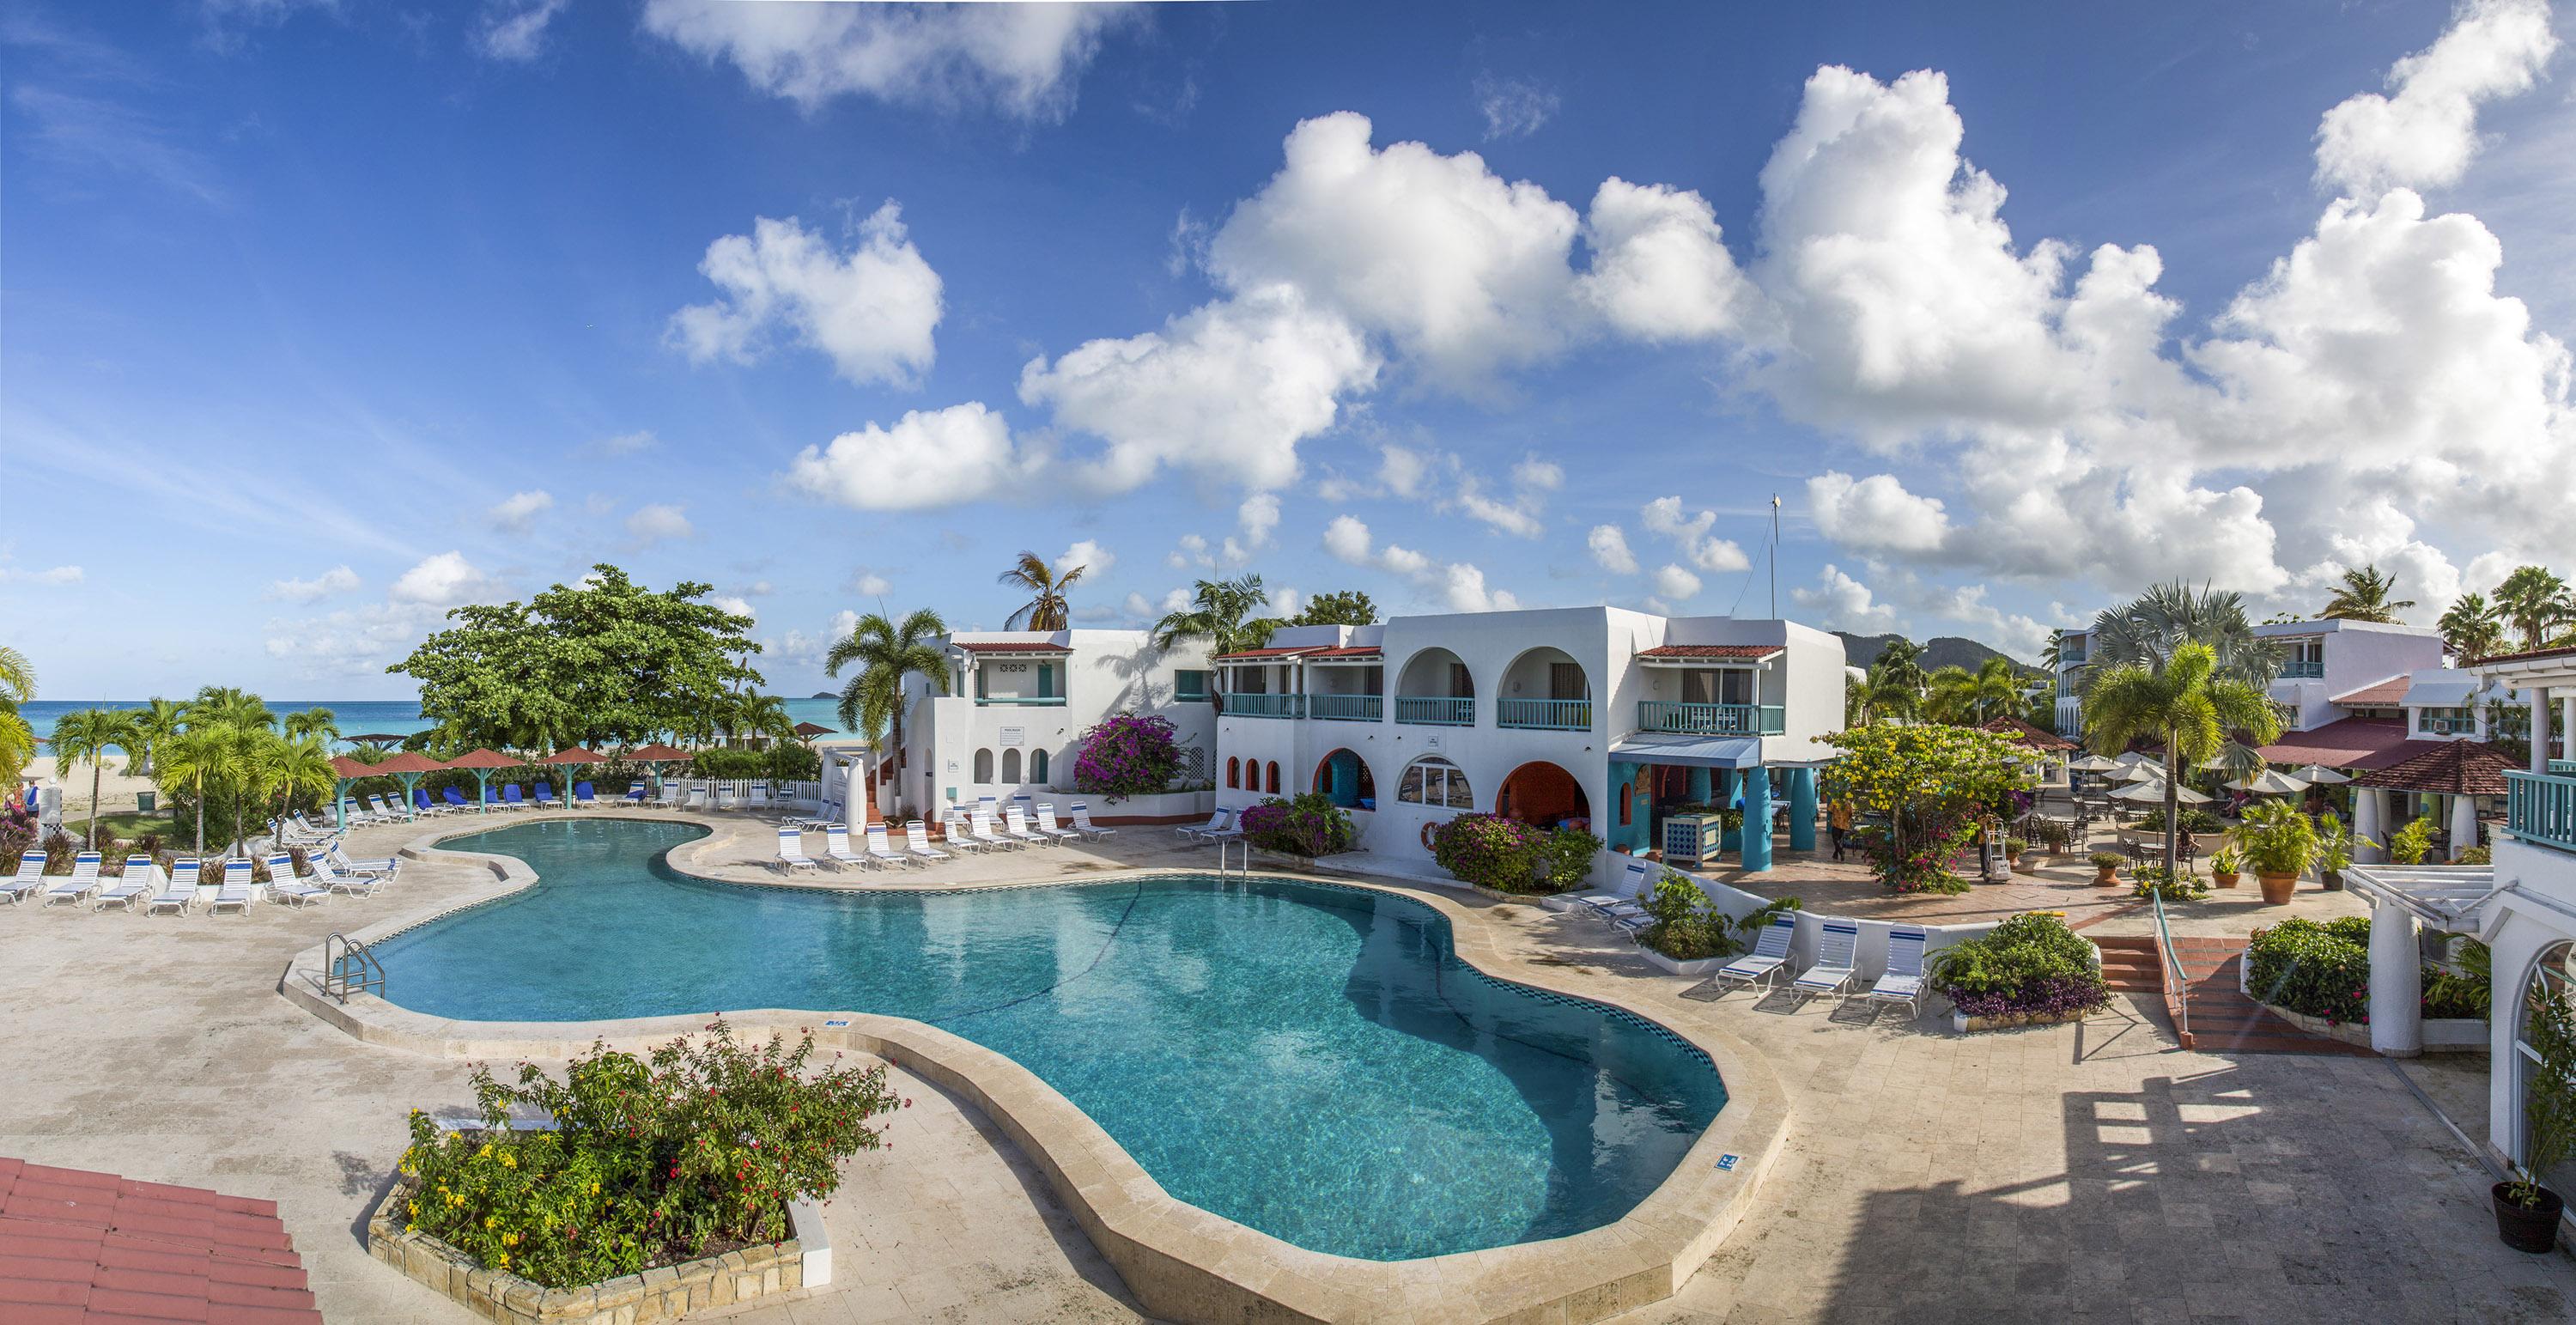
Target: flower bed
[1126, 755]
[1512, 857]
[1310, 826]
[2321, 971]
[2028, 969]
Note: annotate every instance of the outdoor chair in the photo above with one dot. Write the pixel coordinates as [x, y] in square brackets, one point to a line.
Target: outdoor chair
[178, 891]
[515, 798]
[979, 828]
[382, 869]
[455, 800]
[141, 877]
[1831, 972]
[836, 849]
[583, 797]
[916, 837]
[283, 886]
[881, 849]
[29, 878]
[791, 853]
[1903, 980]
[1015, 826]
[546, 796]
[1219, 824]
[1082, 823]
[1770, 955]
[79, 884]
[1046, 822]
[237, 892]
[329, 877]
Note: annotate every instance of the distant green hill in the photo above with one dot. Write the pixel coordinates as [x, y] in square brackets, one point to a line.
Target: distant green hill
[1938, 652]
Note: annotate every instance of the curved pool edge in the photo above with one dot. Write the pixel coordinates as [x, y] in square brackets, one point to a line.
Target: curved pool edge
[1180, 1261]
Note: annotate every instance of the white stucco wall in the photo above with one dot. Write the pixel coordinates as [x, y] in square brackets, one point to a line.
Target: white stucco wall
[1106, 672]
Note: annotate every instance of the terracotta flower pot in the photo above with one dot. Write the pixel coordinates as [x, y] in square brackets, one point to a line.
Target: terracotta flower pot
[2277, 888]
[2225, 880]
[2102, 875]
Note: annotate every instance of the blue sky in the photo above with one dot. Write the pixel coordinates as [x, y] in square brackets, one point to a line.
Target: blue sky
[316, 319]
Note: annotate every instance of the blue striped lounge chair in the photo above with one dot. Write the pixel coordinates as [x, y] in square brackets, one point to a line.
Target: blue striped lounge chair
[79, 884]
[283, 886]
[1902, 982]
[237, 892]
[30, 877]
[1831, 973]
[1770, 956]
[178, 892]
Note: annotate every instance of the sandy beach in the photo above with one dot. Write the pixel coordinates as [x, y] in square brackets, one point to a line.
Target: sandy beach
[115, 789]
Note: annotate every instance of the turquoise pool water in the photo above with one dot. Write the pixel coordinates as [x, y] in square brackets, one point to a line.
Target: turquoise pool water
[1311, 1061]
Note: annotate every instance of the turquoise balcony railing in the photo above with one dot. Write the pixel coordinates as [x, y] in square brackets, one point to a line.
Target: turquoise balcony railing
[1261, 706]
[2541, 808]
[2562, 767]
[1436, 710]
[2302, 670]
[1547, 715]
[1345, 708]
[1664, 715]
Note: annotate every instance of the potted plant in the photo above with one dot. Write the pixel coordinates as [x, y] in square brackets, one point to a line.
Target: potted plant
[2277, 843]
[2105, 864]
[2526, 1212]
[2226, 867]
[2334, 851]
[2014, 849]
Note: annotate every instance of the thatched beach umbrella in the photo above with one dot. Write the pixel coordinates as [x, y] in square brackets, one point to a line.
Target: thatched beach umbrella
[654, 756]
[573, 756]
[482, 762]
[408, 767]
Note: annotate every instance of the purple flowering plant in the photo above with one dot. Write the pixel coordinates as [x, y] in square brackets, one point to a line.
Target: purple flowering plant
[1127, 755]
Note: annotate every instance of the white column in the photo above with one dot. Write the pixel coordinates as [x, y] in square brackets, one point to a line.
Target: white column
[2464, 824]
[2567, 723]
[2396, 985]
[2369, 809]
[2540, 731]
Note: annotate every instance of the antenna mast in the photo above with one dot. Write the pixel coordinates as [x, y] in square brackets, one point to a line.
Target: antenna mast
[1775, 556]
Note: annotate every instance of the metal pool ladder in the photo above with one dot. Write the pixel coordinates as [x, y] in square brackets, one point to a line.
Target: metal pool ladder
[349, 967]
[1224, 851]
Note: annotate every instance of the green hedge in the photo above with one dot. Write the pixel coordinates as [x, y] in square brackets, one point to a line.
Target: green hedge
[2319, 970]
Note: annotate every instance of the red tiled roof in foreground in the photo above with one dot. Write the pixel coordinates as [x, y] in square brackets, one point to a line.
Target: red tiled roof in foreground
[2451, 768]
[2355, 743]
[77, 1246]
[1350, 651]
[1709, 651]
[2027, 734]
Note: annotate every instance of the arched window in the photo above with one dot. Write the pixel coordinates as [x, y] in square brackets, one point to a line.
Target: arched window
[1037, 766]
[983, 766]
[1432, 780]
[1627, 796]
[2552, 981]
[1011, 767]
[1273, 788]
[1233, 774]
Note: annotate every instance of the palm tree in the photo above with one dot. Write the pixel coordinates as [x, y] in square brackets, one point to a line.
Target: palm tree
[249, 748]
[291, 766]
[2147, 632]
[229, 707]
[2471, 630]
[2184, 701]
[199, 756]
[1046, 609]
[1964, 698]
[156, 722]
[2531, 601]
[1221, 614]
[88, 734]
[17, 739]
[886, 652]
[2364, 597]
[315, 721]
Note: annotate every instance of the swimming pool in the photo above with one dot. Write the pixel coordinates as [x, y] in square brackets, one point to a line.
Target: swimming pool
[1308, 1060]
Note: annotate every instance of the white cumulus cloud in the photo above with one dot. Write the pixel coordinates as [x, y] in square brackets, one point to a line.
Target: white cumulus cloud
[443, 580]
[657, 522]
[518, 512]
[1021, 60]
[515, 30]
[1876, 513]
[872, 310]
[2423, 133]
[928, 458]
[1609, 545]
[338, 579]
[1675, 584]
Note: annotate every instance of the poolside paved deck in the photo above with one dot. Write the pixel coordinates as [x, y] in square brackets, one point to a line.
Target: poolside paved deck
[2086, 1172]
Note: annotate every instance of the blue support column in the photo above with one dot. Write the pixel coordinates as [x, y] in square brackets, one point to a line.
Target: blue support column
[1802, 809]
[1699, 788]
[1757, 820]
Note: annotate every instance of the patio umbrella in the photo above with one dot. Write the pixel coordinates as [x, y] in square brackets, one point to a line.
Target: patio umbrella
[807, 731]
[482, 762]
[2154, 793]
[2142, 773]
[2320, 775]
[573, 756]
[2271, 782]
[2137, 757]
[654, 756]
[2093, 764]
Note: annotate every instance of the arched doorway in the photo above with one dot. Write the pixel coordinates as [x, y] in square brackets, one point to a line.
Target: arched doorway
[1345, 777]
[1543, 795]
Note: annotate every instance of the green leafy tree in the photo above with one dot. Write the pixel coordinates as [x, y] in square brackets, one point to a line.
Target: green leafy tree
[17, 739]
[88, 734]
[316, 721]
[1047, 608]
[1220, 612]
[195, 762]
[1342, 607]
[2471, 629]
[153, 725]
[886, 652]
[2364, 597]
[603, 661]
[2149, 631]
[1933, 783]
[2184, 703]
[1959, 696]
[2532, 600]
[230, 707]
[292, 769]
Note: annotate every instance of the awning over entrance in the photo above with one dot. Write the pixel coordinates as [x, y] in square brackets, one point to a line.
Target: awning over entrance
[1689, 751]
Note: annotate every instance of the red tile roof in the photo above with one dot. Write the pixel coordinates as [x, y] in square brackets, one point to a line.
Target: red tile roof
[1007, 646]
[1710, 651]
[1285, 652]
[2357, 743]
[79, 1246]
[2378, 694]
[2450, 768]
[2557, 651]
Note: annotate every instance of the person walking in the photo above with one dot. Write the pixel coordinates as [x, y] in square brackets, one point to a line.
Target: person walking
[1838, 822]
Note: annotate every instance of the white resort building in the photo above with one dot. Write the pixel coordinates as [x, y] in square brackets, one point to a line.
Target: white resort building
[1016, 702]
[1595, 716]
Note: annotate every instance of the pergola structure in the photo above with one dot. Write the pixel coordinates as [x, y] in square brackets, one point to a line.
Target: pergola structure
[2460, 770]
[481, 763]
[407, 766]
[2447, 898]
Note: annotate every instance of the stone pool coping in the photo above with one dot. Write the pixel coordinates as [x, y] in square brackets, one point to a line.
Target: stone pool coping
[1180, 1261]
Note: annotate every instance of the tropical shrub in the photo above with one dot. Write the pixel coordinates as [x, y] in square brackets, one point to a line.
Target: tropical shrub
[2410, 844]
[2180, 886]
[1509, 856]
[2276, 839]
[1308, 825]
[1688, 928]
[2107, 860]
[2448, 993]
[2474, 856]
[1934, 783]
[652, 1160]
[2031, 965]
[17, 835]
[2321, 970]
[2226, 861]
[60, 847]
[1125, 756]
[2194, 820]
[786, 761]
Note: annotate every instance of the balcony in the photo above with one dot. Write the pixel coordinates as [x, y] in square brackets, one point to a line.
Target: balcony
[1436, 710]
[1019, 701]
[2541, 809]
[2303, 669]
[1664, 715]
[1345, 708]
[1261, 706]
[1546, 715]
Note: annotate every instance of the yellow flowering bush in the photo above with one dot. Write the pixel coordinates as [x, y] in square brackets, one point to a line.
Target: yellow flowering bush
[1932, 783]
[650, 1160]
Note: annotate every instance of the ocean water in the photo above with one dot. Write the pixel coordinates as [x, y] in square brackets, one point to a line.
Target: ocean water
[1311, 1061]
[399, 717]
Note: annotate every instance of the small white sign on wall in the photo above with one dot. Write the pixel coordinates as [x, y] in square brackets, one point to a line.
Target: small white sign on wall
[1014, 736]
[1430, 742]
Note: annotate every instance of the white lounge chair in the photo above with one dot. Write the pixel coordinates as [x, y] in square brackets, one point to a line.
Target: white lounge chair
[1219, 824]
[141, 877]
[79, 884]
[959, 839]
[1082, 823]
[791, 853]
[328, 876]
[29, 878]
[386, 813]
[1609, 902]
[178, 891]
[1045, 821]
[725, 799]
[836, 849]
[1903, 980]
[881, 849]
[1831, 972]
[283, 886]
[237, 892]
[1015, 826]
[979, 829]
[757, 798]
[916, 843]
[381, 869]
[697, 798]
[1770, 954]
